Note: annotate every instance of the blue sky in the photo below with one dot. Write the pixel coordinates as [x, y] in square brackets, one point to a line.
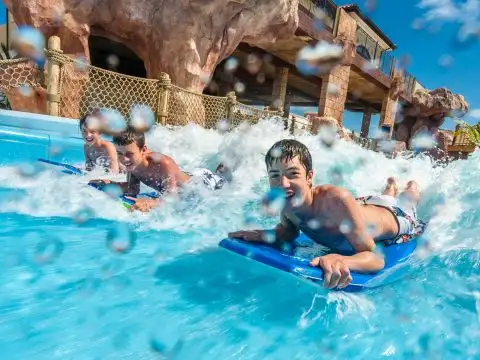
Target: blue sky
[425, 47]
[443, 21]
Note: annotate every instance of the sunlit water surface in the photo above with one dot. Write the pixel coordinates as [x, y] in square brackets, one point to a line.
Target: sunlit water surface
[67, 294]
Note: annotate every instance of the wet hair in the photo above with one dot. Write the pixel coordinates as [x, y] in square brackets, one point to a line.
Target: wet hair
[128, 137]
[287, 149]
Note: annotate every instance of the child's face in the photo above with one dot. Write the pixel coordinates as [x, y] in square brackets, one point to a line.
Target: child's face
[130, 155]
[291, 176]
[90, 136]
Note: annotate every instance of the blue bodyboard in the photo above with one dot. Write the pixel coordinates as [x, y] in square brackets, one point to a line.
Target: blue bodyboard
[395, 262]
[72, 170]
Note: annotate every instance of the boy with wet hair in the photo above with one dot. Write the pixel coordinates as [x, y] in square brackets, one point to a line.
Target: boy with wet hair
[97, 151]
[332, 217]
[155, 170]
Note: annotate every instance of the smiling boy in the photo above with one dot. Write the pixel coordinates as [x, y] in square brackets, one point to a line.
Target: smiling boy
[155, 170]
[97, 151]
[332, 217]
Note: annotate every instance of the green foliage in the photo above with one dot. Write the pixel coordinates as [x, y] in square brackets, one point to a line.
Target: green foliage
[471, 131]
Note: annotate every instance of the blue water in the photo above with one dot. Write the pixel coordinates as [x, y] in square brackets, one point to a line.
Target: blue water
[67, 295]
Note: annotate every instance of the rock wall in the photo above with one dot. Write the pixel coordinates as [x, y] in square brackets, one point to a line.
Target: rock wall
[427, 114]
[184, 38]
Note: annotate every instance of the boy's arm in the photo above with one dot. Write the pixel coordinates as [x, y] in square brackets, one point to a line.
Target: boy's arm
[285, 231]
[343, 209]
[112, 154]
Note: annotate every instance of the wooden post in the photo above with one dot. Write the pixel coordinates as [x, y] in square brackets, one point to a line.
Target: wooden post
[53, 82]
[292, 125]
[162, 100]
[231, 101]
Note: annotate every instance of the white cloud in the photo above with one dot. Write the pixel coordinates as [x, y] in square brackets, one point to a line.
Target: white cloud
[465, 12]
[440, 9]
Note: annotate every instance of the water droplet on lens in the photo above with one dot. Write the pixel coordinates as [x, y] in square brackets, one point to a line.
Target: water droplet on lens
[29, 42]
[302, 323]
[274, 201]
[314, 224]
[336, 176]
[120, 239]
[113, 190]
[80, 63]
[387, 146]
[94, 123]
[58, 13]
[231, 64]
[25, 90]
[261, 78]
[29, 170]
[205, 77]
[423, 141]
[297, 201]
[113, 121]
[418, 24]
[269, 236]
[333, 89]
[345, 226]
[223, 125]
[372, 229]
[254, 64]
[276, 152]
[250, 221]
[370, 5]
[445, 61]
[113, 61]
[239, 87]
[83, 215]
[47, 250]
[142, 118]
[327, 135]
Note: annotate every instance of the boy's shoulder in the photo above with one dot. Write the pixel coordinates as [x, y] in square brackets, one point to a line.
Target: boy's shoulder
[161, 159]
[329, 192]
[108, 147]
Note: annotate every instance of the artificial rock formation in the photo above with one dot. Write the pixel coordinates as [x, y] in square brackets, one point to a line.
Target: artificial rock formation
[427, 114]
[183, 38]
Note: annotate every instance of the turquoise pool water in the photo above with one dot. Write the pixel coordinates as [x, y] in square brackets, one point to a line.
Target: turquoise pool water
[176, 295]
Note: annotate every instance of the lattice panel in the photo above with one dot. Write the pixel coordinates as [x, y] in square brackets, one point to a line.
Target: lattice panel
[250, 114]
[18, 72]
[85, 88]
[185, 107]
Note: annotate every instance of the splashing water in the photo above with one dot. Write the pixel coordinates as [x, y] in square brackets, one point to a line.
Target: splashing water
[174, 277]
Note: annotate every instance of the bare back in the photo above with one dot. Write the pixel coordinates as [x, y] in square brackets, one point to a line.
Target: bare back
[329, 220]
[162, 174]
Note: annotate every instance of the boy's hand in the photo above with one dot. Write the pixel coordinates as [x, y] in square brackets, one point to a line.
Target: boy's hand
[335, 272]
[248, 235]
[143, 205]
